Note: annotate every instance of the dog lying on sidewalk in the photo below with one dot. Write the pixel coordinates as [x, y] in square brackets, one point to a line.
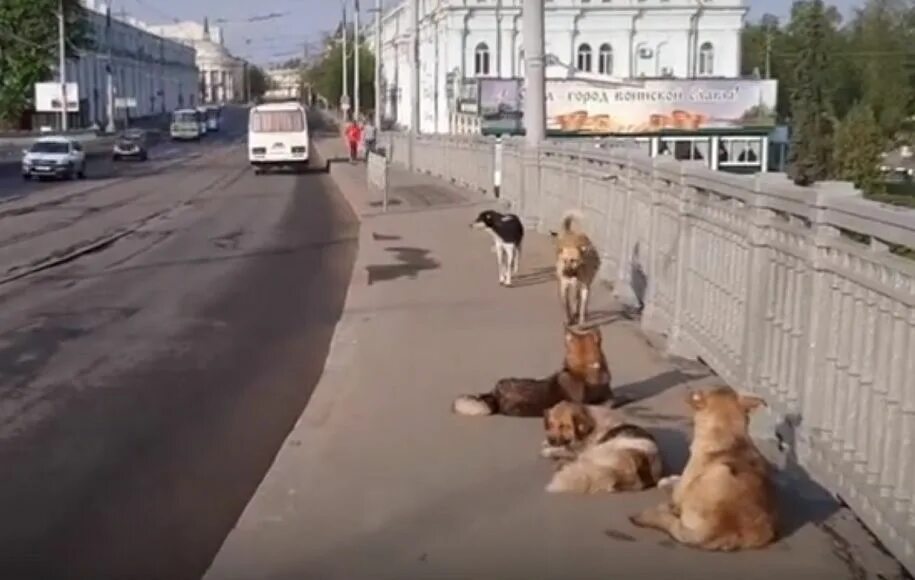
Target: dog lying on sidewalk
[725, 499]
[584, 378]
[596, 452]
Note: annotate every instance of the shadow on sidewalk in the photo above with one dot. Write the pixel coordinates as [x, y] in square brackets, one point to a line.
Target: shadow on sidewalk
[535, 277]
[413, 261]
[642, 390]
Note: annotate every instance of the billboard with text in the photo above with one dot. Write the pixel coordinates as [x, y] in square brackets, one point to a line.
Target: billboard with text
[659, 106]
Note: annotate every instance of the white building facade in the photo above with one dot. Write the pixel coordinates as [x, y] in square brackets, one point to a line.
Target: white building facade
[222, 76]
[160, 75]
[614, 38]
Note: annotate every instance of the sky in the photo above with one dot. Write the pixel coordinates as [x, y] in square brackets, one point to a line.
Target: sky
[296, 21]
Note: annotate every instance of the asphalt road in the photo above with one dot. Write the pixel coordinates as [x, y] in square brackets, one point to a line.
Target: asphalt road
[147, 379]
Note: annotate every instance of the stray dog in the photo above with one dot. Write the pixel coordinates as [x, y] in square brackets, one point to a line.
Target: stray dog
[584, 378]
[725, 499]
[595, 452]
[577, 264]
[507, 233]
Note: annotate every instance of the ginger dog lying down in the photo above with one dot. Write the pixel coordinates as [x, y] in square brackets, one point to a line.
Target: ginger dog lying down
[725, 499]
[596, 452]
[584, 378]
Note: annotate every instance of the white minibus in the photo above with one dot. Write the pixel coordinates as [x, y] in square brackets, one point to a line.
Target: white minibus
[278, 136]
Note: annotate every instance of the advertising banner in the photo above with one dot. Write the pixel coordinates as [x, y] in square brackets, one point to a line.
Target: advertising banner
[47, 98]
[501, 107]
[659, 106]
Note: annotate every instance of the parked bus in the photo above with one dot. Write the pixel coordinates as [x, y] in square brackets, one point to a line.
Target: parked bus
[185, 124]
[202, 115]
[214, 117]
[278, 136]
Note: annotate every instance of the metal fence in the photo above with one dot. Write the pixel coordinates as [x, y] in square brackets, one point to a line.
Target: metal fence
[805, 296]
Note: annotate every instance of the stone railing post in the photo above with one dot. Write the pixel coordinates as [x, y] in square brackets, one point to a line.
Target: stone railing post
[530, 185]
[678, 343]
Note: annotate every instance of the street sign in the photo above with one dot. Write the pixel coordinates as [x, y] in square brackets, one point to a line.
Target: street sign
[125, 103]
[47, 98]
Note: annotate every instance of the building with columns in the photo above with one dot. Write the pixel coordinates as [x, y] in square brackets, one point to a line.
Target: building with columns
[616, 39]
[222, 76]
[158, 74]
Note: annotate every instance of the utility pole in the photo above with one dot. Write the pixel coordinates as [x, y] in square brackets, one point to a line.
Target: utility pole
[768, 52]
[61, 24]
[534, 72]
[109, 74]
[356, 79]
[378, 100]
[345, 103]
[414, 93]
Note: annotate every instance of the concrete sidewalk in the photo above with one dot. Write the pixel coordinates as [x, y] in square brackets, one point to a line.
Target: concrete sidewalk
[378, 480]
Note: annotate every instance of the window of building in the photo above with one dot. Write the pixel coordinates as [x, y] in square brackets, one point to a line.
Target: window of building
[685, 148]
[735, 151]
[584, 58]
[707, 59]
[481, 60]
[605, 60]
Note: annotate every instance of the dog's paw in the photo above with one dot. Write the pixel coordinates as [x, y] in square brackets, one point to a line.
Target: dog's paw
[554, 487]
[638, 520]
[668, 482]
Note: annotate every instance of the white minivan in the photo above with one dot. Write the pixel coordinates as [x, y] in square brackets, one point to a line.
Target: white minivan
[278, 136]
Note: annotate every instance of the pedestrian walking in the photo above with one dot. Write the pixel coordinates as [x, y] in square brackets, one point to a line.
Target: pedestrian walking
[353, 139]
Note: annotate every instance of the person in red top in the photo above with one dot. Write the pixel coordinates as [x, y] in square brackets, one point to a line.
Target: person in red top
[353, 139]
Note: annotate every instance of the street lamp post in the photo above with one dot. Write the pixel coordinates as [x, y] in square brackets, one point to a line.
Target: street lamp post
[414, 89]
[345, 99]
[378, 65]
[534, 72]
[356, 79]
[61, 30]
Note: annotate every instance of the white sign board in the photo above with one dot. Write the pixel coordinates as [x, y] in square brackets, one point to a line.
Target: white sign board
[47, 98]
[125, 103]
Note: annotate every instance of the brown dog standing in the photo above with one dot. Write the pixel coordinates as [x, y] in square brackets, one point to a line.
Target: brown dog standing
[584, 378]
[725, 499]
[577, 265]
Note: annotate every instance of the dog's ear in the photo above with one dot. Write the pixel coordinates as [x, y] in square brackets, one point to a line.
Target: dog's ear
[749, 403]
[696, 399]
[546, 420]
[583, 422]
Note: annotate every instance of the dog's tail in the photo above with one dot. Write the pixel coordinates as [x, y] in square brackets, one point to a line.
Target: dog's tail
[569, 219]
[476, 405]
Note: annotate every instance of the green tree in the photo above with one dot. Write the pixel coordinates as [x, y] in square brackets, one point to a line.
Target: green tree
[858, 144]
[29, 51]
[326, 75]
[881, 44]
[811, 123]
[259, 82]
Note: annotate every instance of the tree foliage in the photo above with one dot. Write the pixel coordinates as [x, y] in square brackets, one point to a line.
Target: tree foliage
[326, 75]
[259, 82]
[29, 49]
[809, 160]
[858, 145]
[838, 76]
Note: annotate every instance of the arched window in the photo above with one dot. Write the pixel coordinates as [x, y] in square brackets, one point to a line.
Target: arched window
[605, 60]
[481, 60]
[584, 58]
[707, 59]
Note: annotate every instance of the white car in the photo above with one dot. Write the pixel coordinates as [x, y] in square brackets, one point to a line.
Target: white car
[54, 157]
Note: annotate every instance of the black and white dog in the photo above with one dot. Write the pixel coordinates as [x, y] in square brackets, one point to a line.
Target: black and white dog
[507, 233]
